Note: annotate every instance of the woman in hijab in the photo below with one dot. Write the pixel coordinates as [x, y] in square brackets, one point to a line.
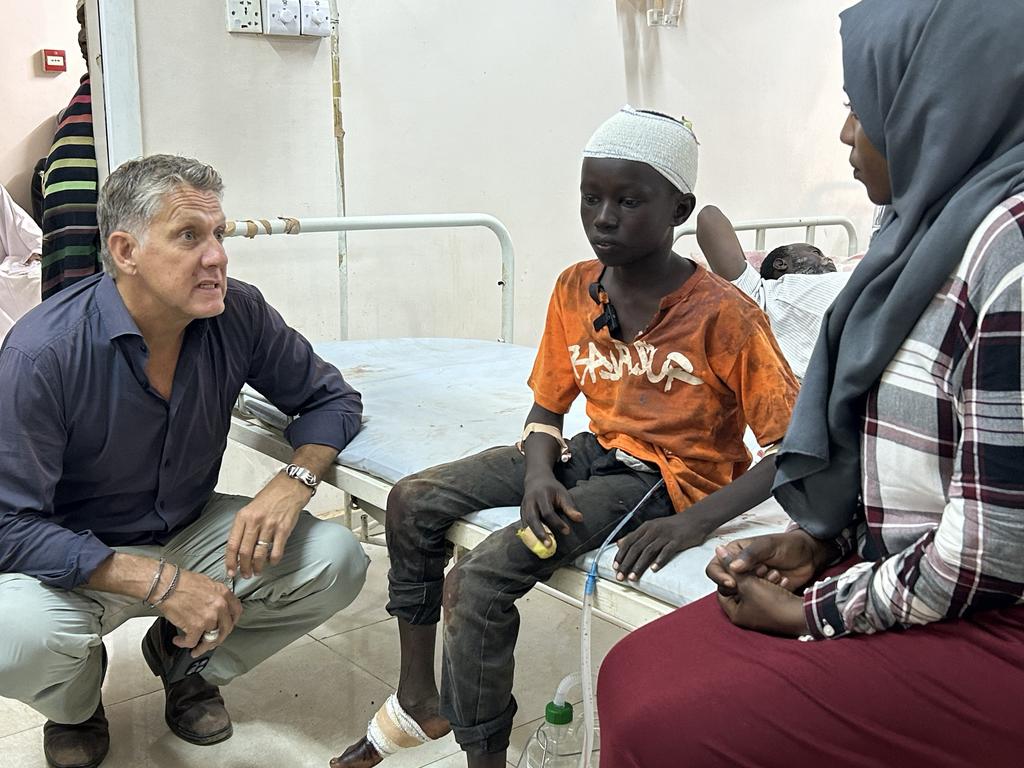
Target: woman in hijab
[906, 447]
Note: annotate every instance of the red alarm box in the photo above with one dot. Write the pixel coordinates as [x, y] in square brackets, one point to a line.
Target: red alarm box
[54, 60]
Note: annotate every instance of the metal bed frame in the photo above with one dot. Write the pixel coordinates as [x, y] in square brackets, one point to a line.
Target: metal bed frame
[617, 603]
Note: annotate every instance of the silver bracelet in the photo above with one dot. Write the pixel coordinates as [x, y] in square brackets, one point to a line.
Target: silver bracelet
[156, 580]
[170, 588]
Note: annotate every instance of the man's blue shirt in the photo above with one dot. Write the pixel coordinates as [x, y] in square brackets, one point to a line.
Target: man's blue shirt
[92, 457]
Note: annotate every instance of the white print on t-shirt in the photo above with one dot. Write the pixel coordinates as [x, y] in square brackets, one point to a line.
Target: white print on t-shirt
[619, 363]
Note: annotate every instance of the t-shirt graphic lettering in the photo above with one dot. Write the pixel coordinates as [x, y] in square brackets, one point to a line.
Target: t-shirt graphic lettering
[619, 363]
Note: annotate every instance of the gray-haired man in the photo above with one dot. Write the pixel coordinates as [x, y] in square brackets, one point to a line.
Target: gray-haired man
[117, 400]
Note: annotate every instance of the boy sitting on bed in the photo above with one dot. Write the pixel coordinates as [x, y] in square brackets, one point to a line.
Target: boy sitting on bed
[673, 362]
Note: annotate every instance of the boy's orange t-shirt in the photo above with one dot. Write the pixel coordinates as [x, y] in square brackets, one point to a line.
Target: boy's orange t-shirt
[680, 394]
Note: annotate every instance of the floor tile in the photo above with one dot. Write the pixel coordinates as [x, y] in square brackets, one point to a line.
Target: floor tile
[548, 649]
[368, 607]
[16, 717]
[299, 709]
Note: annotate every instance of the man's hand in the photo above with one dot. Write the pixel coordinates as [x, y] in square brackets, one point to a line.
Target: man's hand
[788, 559]
[655, 543]
[545, 500]
[262, 526]
[760, 605]
[199, 604]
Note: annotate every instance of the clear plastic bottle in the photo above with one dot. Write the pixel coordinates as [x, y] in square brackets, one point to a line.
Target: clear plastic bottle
[556, 744]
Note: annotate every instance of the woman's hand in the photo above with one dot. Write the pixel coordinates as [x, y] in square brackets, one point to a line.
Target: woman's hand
[762, 606]
[789, 559]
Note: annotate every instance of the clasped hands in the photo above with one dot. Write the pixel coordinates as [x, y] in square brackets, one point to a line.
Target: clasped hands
[757, 579]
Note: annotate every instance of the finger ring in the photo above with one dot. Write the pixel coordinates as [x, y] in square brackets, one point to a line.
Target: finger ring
[211, 635]
[262, 543]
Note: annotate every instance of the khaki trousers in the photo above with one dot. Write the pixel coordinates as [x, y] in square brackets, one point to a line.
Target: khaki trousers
[50, 640]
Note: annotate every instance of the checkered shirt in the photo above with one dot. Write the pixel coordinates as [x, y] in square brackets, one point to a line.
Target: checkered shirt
[942, 451]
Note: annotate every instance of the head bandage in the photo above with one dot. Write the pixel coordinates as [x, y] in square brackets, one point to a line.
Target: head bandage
[666, 145]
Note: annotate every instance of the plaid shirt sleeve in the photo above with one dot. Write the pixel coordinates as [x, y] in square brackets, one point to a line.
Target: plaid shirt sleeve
[969, 559]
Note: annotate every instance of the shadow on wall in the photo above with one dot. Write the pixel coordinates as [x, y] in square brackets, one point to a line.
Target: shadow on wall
[640, 50]
[33, 146]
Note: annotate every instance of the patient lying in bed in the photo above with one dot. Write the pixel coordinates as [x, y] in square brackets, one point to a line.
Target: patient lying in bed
[673, 364]
[796, 285]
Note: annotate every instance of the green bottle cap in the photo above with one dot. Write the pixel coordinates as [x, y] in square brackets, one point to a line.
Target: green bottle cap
[558, 715]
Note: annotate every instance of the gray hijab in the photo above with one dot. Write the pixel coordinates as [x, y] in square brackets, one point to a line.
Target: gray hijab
[938, 86]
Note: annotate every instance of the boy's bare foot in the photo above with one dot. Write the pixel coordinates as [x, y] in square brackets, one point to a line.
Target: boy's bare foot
[362, 754]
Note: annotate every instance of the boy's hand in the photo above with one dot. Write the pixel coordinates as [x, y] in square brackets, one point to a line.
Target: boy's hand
[655, 543]
[546, 501]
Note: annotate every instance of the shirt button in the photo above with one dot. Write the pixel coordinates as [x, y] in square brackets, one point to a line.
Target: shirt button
[826, 629]
[160, 505]
[167, 463]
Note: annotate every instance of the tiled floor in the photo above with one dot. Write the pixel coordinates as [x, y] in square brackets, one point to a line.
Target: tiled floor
[311, 700]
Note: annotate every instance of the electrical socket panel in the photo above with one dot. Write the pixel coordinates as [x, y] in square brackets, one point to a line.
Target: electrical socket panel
[245, 16]
[281, 17]
[316, 18]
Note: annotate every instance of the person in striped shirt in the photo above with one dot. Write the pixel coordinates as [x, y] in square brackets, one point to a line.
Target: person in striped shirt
[70, 189]
[906, 447]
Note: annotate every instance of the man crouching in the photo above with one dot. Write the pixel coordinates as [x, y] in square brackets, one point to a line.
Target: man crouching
[117, 403]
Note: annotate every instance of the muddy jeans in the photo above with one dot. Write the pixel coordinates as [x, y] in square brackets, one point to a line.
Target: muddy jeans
[481, 622]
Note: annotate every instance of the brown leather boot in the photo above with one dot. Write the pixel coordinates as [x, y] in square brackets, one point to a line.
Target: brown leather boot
[83, 745]
[194, 709]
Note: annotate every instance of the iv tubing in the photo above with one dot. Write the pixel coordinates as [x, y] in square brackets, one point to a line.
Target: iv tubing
[589, 704]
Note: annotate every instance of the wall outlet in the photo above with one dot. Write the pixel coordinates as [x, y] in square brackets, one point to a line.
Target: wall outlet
[245, 16]
[316, 18]
[281, 17]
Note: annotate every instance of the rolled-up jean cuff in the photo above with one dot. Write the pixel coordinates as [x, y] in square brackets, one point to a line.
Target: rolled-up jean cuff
[415, 602]
[486, 738]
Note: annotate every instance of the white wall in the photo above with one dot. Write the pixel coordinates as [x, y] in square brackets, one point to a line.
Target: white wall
[455, 105]
[30, 98]
[259, 110]
[763, 84]
[459, 105]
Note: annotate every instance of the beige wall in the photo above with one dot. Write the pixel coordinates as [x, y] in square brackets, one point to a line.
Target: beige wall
[762, 83]
[469, 106]
[258, 109]
[456, 105]
[459, 105]
[30, 98]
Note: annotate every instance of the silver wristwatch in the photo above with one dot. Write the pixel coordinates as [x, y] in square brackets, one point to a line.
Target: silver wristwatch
[304, 476]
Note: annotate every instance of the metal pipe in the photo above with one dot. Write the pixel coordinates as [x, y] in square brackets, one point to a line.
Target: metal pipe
[284, 225]
[760, 226]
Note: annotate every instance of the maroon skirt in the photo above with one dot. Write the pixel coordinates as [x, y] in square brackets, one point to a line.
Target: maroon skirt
[691, 690]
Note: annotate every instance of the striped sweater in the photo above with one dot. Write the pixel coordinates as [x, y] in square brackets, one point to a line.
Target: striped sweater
[70, 187]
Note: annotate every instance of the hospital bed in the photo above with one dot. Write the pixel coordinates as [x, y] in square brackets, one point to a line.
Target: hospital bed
[432, 400]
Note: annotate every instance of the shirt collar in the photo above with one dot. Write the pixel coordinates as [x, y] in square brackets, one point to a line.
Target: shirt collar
[114, 314]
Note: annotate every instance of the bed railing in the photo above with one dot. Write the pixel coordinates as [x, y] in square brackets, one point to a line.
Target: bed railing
[290, 226]
[809, 225]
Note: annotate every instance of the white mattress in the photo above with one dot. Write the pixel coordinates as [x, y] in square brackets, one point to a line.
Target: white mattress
[428, 401]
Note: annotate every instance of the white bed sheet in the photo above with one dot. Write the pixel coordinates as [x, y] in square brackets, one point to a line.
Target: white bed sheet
[428, 401]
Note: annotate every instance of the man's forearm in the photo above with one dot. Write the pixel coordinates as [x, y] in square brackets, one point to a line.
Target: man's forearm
[740, 495]
[316, 458]
[129, 575]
